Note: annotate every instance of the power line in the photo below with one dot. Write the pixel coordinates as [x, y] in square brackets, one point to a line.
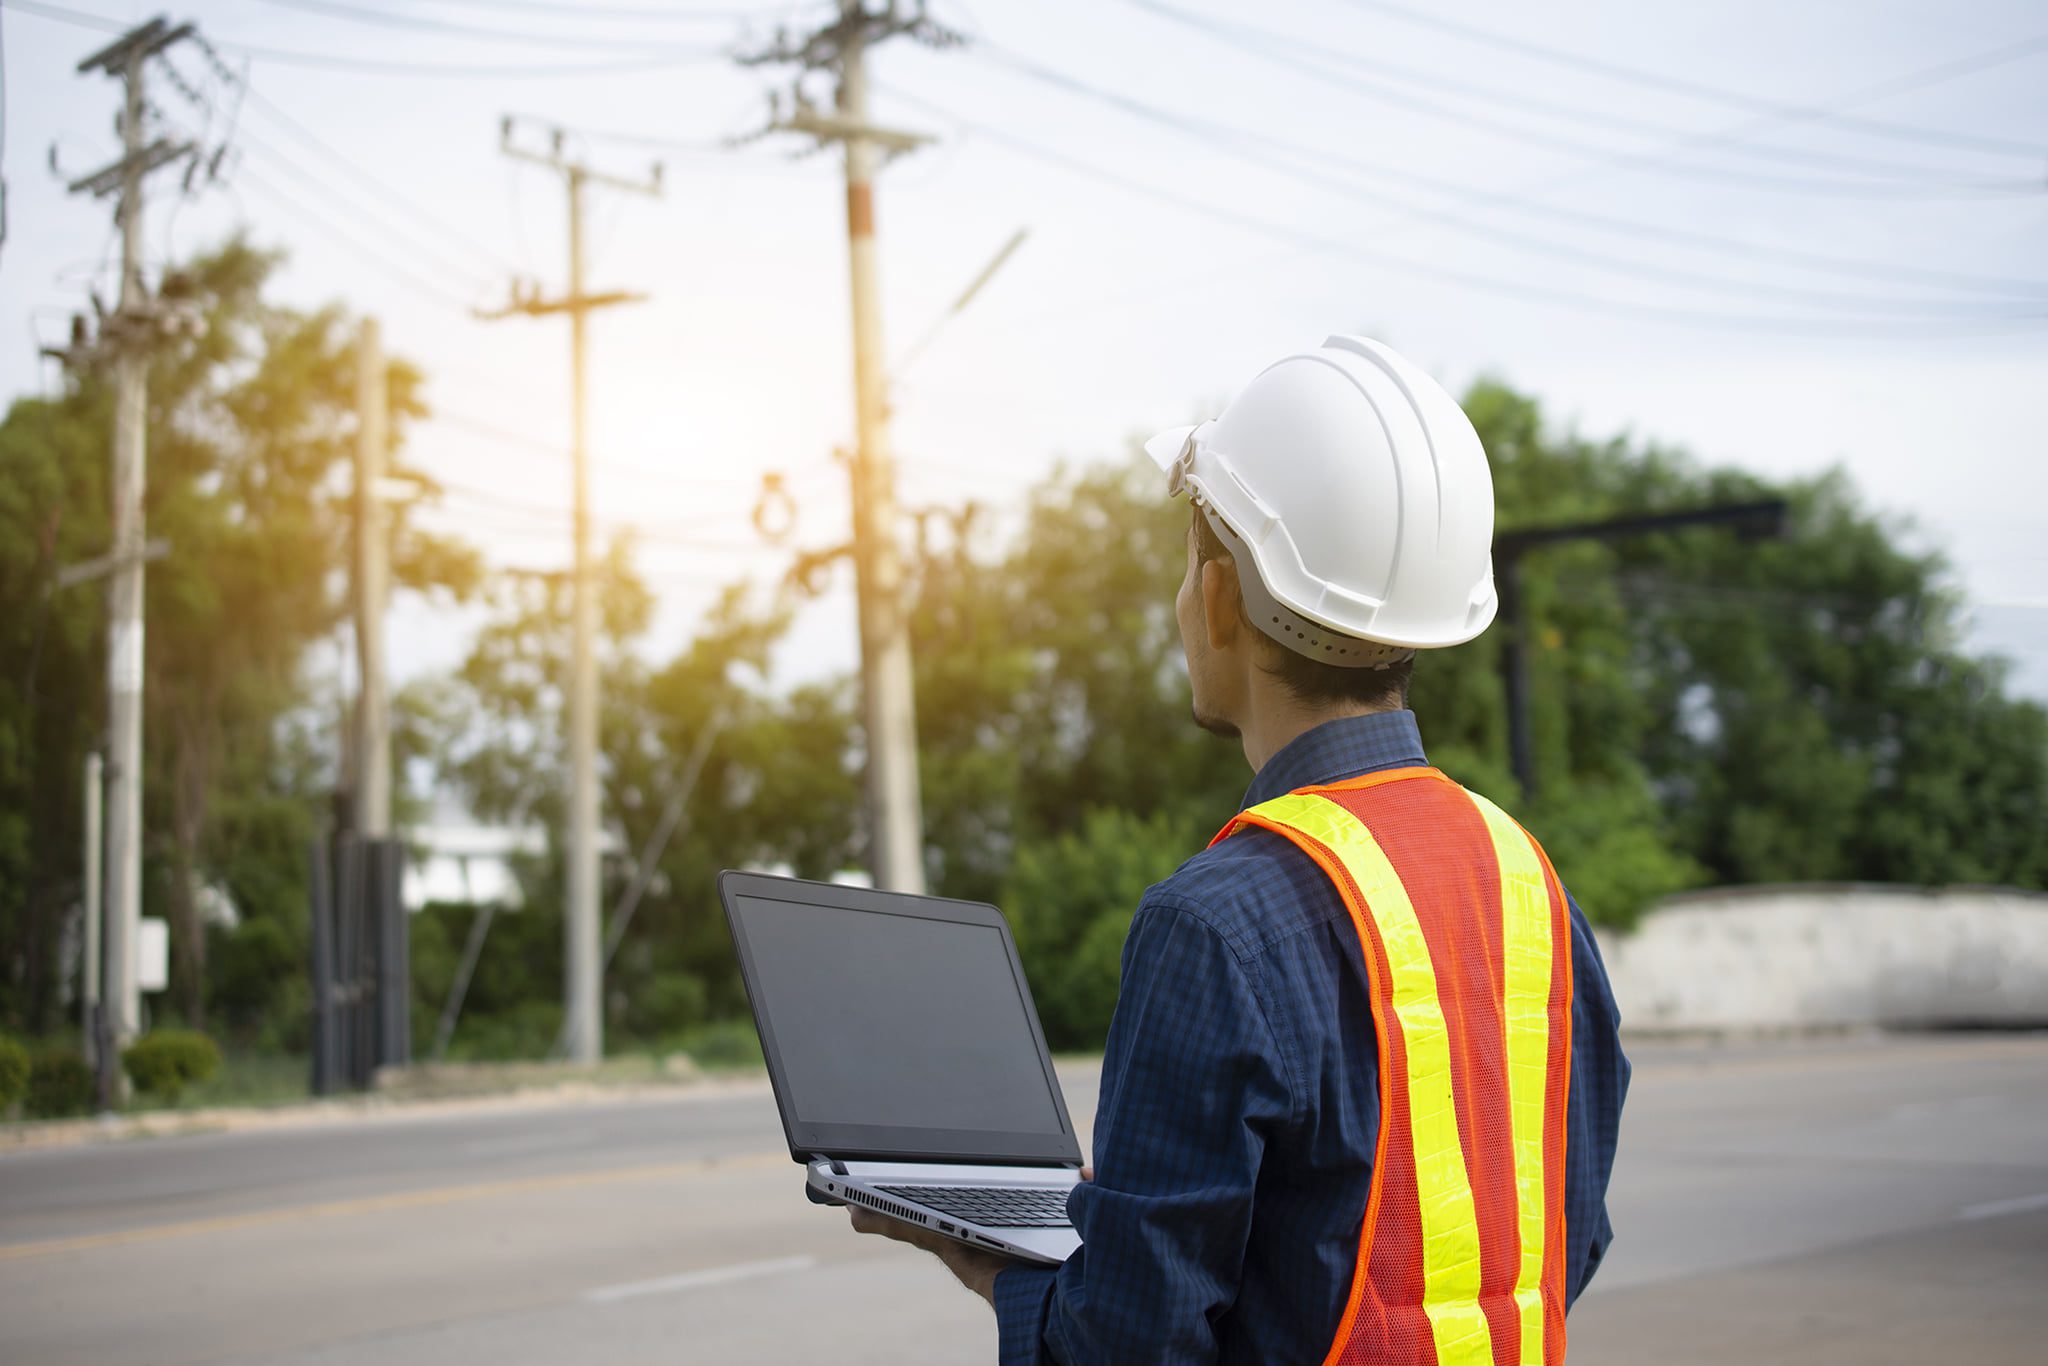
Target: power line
[1789, 326]
[1248, 42]
[542, 446]
[662, 14]
[1604, 119]
[403, 239]
[359, 14]
[1220, 137]
[395, 198]
[419, 284]
[684, 535]
[371, 66]
[1668, 84]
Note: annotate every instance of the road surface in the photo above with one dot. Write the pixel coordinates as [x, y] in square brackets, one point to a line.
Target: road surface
[1867, 1201]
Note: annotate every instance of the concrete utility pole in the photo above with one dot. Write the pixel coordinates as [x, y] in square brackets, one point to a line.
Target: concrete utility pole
[372, 590]
[95, 862]
[895, 820]
[128, 333]
[583, 1015]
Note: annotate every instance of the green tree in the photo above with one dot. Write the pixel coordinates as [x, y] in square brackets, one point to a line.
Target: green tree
[251, 424]
[1707, 709]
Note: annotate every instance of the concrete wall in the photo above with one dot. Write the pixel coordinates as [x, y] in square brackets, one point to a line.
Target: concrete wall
[1831, 955]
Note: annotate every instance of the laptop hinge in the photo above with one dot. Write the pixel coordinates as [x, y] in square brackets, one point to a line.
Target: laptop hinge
[838, 1167]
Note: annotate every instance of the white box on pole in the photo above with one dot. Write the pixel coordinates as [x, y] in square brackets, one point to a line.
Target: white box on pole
[152, 954]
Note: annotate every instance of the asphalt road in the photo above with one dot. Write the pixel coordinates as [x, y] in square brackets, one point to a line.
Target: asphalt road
[1855, 1201]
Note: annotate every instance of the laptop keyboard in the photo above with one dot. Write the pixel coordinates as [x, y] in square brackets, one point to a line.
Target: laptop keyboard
[993, 1206]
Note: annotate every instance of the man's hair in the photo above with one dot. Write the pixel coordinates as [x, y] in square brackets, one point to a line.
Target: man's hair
[1307, 679]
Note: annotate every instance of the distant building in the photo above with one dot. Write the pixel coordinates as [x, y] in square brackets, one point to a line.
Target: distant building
[467, 864]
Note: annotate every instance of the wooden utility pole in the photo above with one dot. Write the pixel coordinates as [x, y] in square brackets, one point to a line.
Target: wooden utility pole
[895, 818]
[128, 335]
[583, 1015]
[372, 590]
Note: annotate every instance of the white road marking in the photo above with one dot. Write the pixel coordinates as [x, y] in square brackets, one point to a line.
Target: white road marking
[1991, 1209]
[694, 1280]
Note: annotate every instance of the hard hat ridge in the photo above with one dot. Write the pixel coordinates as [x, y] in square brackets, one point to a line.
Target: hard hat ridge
[1356, 490]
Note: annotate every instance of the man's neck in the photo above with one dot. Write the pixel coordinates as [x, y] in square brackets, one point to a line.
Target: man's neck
[1277, 718]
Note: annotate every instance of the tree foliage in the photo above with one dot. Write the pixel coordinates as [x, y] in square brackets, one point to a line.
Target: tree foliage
[1707, 709]
[251, 425]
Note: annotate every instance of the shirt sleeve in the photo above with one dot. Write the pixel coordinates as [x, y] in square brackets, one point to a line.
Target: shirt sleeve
[1600, 1073]
[1193, 1081]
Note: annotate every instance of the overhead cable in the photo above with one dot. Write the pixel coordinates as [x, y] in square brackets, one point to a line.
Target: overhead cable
[396, 198]
[405, 240]
[1571, 299]
[1668, 83]
[1653, 162]
[372, 66]
[1221, 137]
[1606, 120]
[422, 286]
[360, 14]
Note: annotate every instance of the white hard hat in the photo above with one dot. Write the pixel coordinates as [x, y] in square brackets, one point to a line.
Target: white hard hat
[1356, 489]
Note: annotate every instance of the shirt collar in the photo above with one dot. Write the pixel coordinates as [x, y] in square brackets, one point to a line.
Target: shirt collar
[1335, 750]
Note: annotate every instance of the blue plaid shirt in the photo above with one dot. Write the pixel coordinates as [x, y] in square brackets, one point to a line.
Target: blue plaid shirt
[1235, 1132]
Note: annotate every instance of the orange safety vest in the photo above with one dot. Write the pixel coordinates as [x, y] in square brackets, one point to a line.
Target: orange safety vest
[1468, 951]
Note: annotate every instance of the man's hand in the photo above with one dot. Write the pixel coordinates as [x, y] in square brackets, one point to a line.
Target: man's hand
[972, 1267]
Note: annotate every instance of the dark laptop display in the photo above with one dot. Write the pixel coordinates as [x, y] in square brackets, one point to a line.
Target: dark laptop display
[896, 1027]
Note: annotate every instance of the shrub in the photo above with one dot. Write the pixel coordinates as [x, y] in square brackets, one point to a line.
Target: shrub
[726, 1043]
[13, 1073]
[666, 1004]
[164, 1062]
[60, 1084]
[1070, 899]
[526, 1031]
[252, 965]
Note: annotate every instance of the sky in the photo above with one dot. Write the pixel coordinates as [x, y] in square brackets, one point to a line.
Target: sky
[1786, 238]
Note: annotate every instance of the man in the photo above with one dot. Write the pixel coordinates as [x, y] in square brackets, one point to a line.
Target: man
[1362, 1088]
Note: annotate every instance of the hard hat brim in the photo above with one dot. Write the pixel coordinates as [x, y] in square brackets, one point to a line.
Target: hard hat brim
[1166, 447]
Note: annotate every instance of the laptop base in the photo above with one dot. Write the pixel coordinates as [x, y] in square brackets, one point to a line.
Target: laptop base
[861, 1182]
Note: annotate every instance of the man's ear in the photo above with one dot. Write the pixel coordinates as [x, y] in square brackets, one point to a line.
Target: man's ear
[1222, 614]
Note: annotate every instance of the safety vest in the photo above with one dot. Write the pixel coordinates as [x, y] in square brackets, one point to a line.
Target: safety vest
[1467, 948]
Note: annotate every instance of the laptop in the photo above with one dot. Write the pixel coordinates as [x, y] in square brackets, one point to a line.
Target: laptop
[907, 1059]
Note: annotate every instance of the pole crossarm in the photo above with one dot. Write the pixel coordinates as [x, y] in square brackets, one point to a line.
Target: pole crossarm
[826, 47]
[1762, 517]
[556, 159]
[136, 45]
[575, 303]
[85, 571]
[109, 179]
[834, 128]
[1765, 517]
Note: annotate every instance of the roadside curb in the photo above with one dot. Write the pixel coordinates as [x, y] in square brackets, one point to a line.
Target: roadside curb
[370, 1107]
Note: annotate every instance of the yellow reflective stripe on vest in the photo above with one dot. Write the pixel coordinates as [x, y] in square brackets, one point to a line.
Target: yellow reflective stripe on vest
[1525, 1012]
[1450, 1225]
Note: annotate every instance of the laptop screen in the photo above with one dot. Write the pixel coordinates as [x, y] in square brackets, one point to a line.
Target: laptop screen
[897, 1026]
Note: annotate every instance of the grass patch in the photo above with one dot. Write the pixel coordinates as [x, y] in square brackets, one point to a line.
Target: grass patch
[244, 1079]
